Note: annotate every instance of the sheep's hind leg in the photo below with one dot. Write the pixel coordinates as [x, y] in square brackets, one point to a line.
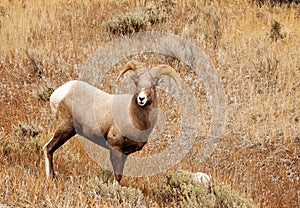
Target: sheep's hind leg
[62, 134]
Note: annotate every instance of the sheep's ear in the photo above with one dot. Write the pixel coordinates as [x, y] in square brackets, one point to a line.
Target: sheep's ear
[131, 65]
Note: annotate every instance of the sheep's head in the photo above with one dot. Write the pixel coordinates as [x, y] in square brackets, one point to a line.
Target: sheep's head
[146, 80]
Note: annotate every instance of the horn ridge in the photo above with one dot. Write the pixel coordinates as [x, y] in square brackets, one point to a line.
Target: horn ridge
[163, 69]
[131, 65]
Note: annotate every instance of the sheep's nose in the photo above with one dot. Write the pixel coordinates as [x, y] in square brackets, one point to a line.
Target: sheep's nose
[141, 98]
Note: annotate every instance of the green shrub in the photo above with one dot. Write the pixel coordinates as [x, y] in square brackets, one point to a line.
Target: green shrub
[44, 92]
[126, 24]
[27, 130]
[225, 197]
[24, 140]
[137, 21]
[116, 194]
[276, 2]
[179, 189]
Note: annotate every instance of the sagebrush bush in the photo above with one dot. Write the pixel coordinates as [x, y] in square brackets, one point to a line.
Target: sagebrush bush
[137, 21]
[181, 190]
[126, 24]
[225, 197]
[27, 130]
[274, 2]
[117, 194]
[44, 92]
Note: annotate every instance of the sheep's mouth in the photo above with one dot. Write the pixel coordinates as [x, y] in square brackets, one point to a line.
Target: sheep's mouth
[142, 103]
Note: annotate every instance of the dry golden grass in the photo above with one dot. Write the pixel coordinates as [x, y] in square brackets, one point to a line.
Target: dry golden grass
[255, 51]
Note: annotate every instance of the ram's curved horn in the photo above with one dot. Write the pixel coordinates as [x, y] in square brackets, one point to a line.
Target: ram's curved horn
[162, 69]
[131, 65]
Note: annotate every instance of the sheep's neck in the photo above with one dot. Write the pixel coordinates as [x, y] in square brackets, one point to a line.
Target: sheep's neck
[141, 116]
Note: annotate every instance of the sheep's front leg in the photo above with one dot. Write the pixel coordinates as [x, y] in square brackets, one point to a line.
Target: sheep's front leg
[117, 160]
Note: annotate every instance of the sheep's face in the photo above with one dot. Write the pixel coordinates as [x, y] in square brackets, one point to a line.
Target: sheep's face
[145, 96]
[145, 86]
[146, 80]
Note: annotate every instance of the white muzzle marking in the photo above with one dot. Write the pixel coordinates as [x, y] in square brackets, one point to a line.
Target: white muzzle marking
[142, 98]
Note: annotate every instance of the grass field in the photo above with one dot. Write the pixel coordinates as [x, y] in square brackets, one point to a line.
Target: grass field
[255, 50]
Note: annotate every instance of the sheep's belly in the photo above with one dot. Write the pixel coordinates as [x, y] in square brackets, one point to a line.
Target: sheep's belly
[91, 112]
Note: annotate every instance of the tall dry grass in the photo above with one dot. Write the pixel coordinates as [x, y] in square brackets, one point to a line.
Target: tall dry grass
[255, 50]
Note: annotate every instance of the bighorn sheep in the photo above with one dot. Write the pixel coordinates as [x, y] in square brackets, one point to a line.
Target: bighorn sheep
[120, 123]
